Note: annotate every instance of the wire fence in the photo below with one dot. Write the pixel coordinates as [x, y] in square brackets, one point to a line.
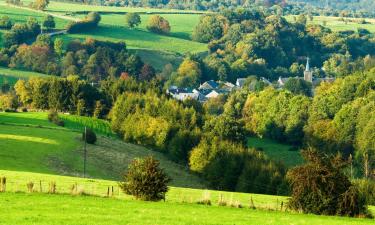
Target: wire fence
[114, 190]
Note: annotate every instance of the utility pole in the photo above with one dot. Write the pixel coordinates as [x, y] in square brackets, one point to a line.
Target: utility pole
[84, 154]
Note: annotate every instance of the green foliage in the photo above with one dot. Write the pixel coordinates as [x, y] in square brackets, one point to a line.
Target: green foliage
[54, 118]
[210, 28]
[145, 180]
[132, 20]
[89, 136]
[153, 120]
[49, 22]
[298, 86]
[5, 22]
[229, 166]
[158, 24]
[278, 115]
[40, 4]
[8, 102]
[91, 21]
[188, 75]
[321, 187]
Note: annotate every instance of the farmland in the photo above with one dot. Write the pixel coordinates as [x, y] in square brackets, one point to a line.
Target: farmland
[12, 75]
[281, 152]
[336, 24]
[59, 150]
[122, 209]
[21, 15]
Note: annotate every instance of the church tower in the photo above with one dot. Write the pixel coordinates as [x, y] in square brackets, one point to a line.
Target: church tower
[307, 74]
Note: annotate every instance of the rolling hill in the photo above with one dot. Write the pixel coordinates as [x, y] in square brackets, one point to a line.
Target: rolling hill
[29, 142]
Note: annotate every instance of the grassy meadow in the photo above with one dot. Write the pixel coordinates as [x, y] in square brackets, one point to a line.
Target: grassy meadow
[21, 15]
[11, 76]
[53, 209]
[335, 23]
[28, 142]
[276, 151]
[59, 150]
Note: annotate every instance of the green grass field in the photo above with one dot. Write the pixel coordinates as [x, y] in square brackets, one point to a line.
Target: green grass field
[182, 25]
[80, 122]
[139, 39]
[276, 151]
[28, 142]
[71, 7]
[11, 76]
[335, 24]
[21, 16]
[42, 149]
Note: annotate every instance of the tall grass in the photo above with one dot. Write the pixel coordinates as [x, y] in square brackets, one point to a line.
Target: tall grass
[79, 123]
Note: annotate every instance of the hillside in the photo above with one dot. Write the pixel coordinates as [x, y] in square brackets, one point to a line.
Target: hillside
[180, 204]
[57, 150]
[112, 28]
[12, 75]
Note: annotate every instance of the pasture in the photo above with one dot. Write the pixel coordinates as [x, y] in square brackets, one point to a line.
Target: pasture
[18, 15]
[336, 24]
[280, 152]
[52, 209]
[29, 142]
[182, 25]
[140, 39]
[179, 208]
[11, 76]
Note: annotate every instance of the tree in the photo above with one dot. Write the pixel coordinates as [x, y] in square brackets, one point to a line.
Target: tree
[147, 73]
[49, 22]
[132, 19]
[40, 4]
[188, 74]
[89, 136]
[298, 86]
[158, 24]
[145, 180]
[210, 28]
[58, 46]
[321, 187]
[5, 22]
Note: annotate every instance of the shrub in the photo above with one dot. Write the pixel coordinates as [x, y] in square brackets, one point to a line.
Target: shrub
[367, 189]
[90, 22]
[90, 136]
[5, 22]
[321, 187]
[158, 24]
[145, 180]
[53, 117]
[132, 19]
[30, 187]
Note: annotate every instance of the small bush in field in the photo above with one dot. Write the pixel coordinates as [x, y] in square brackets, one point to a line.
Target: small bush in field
[54, 118]
[90, 136]
[30, 187]
[320, 186]
[145, 180]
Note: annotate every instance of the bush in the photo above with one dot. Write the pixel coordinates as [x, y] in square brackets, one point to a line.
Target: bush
[90, 22]
[321, 187]
[367, 189]
[145, 180]
[90, 136]
[53, 117]
[158, 24]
